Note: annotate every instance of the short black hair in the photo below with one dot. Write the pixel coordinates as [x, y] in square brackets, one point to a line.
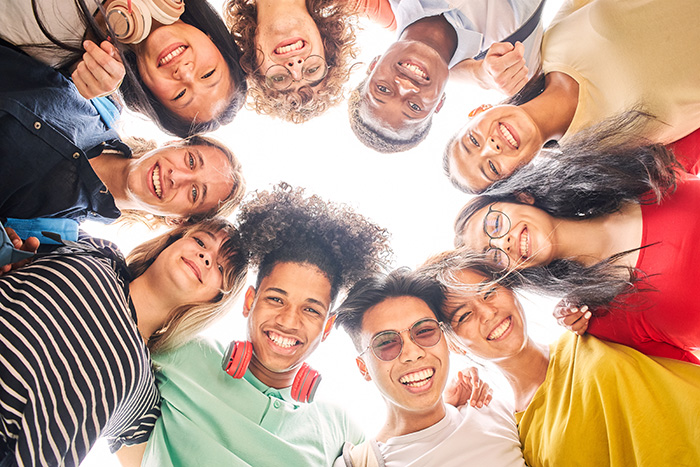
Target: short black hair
[372, 291]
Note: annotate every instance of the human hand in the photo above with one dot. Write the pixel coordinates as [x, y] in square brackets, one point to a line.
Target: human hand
[467, 388]
[100, 72]
[30, 244]
[504, 68]
[573, 318]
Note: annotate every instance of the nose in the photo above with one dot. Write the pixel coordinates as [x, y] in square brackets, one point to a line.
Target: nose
[206, 257]
[179, 177]
[185, 71]
[294, 65]
[405, 85]
[486, 311]
[411, 351]
[288, 317]
[504, 242]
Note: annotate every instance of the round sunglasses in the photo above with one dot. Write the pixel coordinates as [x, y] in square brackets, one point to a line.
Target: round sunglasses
[387, 345]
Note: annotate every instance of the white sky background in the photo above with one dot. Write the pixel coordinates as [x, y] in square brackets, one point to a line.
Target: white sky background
[407, 193]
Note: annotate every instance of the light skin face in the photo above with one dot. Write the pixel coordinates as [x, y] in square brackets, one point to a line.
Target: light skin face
[405, 86]
[179, 180]
[286, 317]
[288, 41]
[412, 384]
[191, 267]
[185, 71]
[488, 318]
[493, 145]
[531, 240]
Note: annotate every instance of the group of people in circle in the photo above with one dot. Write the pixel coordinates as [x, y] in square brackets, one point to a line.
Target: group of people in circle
[585, 180]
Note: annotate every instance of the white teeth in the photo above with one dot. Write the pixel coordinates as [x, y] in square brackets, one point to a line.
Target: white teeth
[498, 332]
[172, 55]
[288, 48]
[418, 378]
[524, 240]
[507, 135]
[415, 69]
[281, 340]
[156, 181]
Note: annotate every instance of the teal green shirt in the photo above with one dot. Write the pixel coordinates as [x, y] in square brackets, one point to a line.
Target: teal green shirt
[210, 419]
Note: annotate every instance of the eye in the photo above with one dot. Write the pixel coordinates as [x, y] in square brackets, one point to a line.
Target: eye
[414, 107]
[182, 93]
[274, 299]
[312, 70]
[207, 75]
[383, 89]
[464, 317]
[221, 268]
[278, 78]
[190, 160]
[194, 194]
[490, 293]
[493, 169]
[473, 140]
[313, 311]
[199, 242]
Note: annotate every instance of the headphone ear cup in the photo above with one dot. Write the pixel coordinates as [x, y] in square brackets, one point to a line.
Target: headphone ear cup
[305, 384]
[166, 11]
[237, 358]
[130, 21]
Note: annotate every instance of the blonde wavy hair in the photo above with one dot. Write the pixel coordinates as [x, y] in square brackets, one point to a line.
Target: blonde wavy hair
[337, 24]
[140, 146]
[189, 319]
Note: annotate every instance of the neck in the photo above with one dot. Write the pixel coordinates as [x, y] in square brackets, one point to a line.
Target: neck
[435, 32]
[400, 422]
[525, 371]
[153, 307]
[113, 170]
[554, 109]
[269, 10]
[590, 241]
[277, 380]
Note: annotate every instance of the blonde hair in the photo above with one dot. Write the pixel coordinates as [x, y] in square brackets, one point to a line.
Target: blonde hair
[189, 319]
[140, 146]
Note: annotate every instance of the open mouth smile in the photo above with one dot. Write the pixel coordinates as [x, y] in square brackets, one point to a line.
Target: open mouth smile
[415, 70]
[500, 329]
[525, 244]
[417, 379]
[281, 341]
[289, 47]
[169, 55]
[156, 181]
[507, 134]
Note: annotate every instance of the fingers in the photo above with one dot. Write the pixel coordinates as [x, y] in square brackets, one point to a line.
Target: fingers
[100, 71]
[505, 63]
[30, 244]
[574, 319]
[481, 392]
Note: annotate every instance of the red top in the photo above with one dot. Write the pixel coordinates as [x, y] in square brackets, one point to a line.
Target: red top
[664, 321]
[687, 150]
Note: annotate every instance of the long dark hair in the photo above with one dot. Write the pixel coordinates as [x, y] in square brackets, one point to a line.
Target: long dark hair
[137, 96]
[593, 173]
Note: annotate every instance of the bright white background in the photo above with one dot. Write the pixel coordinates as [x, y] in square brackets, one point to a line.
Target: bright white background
[407, 193]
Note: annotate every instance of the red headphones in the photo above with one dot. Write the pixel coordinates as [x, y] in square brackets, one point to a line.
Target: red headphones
[237, 358]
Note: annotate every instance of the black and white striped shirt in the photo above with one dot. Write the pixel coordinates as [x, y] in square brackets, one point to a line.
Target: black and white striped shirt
[73, 366]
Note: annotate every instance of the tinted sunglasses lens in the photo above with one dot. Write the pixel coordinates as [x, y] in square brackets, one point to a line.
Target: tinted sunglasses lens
[426, 333]
[387, 345]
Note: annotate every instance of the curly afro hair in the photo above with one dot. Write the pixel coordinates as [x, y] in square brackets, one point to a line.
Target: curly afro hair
[283, 225]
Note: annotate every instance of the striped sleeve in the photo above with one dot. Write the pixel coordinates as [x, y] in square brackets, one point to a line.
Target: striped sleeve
[73, 366]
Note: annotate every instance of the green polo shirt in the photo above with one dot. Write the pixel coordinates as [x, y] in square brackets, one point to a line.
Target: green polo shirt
[210, 419]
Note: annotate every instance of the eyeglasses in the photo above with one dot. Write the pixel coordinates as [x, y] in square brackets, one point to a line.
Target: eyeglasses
[497, 225]
[279, 77]
[387, 345]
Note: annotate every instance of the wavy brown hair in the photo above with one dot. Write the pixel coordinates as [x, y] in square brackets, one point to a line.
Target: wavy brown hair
[337, 24]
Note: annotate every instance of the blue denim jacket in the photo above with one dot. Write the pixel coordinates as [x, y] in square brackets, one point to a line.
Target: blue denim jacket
[48, 131]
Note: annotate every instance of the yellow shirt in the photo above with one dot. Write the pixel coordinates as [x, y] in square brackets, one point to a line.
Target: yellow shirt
[626, 53]
[606, 404]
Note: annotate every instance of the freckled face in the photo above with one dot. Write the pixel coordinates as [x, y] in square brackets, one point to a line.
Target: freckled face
[493, 145]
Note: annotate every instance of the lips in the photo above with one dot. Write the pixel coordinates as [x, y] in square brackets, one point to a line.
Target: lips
[156, 182]
[500, 330]
[509, 135]
[281, 341]
[415, 69]
[289, 46]
[194, 268]
[170, 53]
[417, 379]
[525, 244]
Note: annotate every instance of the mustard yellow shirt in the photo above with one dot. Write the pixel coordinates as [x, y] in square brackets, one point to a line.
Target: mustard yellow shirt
[604, 404]
[626, 53]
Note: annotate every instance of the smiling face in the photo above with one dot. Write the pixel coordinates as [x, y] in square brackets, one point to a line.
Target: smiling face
[289, 42]
[179, 180]
[488, 319]
[285, 319]
[185, 71]
[405, 86]
[412, 384]
[530, 241]
[191, 267]
[493, 145]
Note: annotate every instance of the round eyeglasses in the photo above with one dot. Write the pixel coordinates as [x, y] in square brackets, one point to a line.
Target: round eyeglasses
[497, 225]
[314, 69]
[387, 345]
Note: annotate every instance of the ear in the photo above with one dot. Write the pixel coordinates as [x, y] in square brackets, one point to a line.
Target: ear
[478, 110]
[440, 104]
[248, 301]
[363, 368]
[328, 327]
[525, 198]
[372, 64]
